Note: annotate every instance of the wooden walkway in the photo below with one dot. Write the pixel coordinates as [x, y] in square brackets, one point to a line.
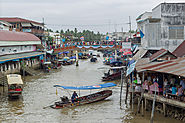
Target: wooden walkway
[167, 101]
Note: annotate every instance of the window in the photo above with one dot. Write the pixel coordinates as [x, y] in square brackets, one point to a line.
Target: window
[176, 32]
[21, 48]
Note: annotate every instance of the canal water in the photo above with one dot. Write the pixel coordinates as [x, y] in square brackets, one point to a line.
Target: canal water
[39, 92]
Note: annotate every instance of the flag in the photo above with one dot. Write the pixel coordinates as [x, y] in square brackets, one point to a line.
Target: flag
[107, 37]
[141, 34]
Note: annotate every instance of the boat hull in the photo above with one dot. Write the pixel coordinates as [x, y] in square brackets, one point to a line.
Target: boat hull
[85, 100]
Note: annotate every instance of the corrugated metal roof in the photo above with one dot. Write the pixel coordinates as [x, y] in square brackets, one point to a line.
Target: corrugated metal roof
[175, 67]
[180, 50]
[158, 54]
[17, 36]
[16, 19]
[140, 54]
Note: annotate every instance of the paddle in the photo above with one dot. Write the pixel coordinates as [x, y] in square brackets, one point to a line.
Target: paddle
[50, 104]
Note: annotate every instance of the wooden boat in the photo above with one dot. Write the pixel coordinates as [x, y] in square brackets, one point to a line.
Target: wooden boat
[15, 85]
[98, 96]
[113, 73]
[82, 100]
[110, 77]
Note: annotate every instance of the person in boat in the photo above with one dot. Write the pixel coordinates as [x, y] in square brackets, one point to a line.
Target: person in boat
[75, 95]
[64, 100]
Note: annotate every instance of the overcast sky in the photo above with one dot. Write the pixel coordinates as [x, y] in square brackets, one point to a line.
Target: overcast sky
[97, 15]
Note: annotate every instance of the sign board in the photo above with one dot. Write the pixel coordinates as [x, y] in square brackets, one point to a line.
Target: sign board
[126, 45]
[131, 68]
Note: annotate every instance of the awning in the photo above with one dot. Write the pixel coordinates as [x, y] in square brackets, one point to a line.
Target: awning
[26, 24]
[106, 85]
[14, 79]
[18, 56]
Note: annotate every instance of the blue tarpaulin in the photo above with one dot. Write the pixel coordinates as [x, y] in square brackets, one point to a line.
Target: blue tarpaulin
[106, 85]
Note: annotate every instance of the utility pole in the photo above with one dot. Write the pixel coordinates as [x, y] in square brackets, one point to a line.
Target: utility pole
[130, 25]
[44, 39]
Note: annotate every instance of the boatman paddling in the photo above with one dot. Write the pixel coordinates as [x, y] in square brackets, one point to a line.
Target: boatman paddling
[75, 95]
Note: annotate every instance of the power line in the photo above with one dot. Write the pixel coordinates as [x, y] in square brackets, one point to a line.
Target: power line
[84, 25]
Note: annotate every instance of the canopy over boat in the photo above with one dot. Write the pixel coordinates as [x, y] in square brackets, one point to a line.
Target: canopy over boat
[14, 79]
[106, 85]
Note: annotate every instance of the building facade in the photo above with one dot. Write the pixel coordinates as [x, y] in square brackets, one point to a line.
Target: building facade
[164, 27]
[18, 49]
[24, 25]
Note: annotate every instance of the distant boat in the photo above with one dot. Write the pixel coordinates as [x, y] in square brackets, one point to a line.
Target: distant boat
[95, 97]
[93, 59]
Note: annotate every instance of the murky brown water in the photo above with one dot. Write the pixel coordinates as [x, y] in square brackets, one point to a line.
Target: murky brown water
[39, 92]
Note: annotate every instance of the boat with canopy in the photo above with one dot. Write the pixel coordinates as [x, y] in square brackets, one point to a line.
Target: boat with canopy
[15, 85]
[98, 96]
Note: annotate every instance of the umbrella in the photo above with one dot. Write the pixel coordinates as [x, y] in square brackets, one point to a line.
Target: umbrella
[127, 53]
[66, 58]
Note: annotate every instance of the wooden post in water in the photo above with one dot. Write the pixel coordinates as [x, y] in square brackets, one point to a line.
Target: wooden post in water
[77, 58]
[142, 112]
[121, 85]
[3, 83]
[145, 104]
[164, 109]
[132, 92]
[142, 94]
[126, 79]
[153, 106]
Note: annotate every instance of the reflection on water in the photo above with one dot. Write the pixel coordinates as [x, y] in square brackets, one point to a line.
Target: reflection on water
[39, 92]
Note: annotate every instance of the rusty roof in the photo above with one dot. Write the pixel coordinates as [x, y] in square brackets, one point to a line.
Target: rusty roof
[175, 67]
[158, 54]
[16, 19]
[180, 50]
[17, 36]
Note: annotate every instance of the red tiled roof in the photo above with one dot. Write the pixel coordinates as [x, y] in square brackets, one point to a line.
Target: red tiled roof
[158, 54]
[16, 19]
[180, 50]
[17, 36]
